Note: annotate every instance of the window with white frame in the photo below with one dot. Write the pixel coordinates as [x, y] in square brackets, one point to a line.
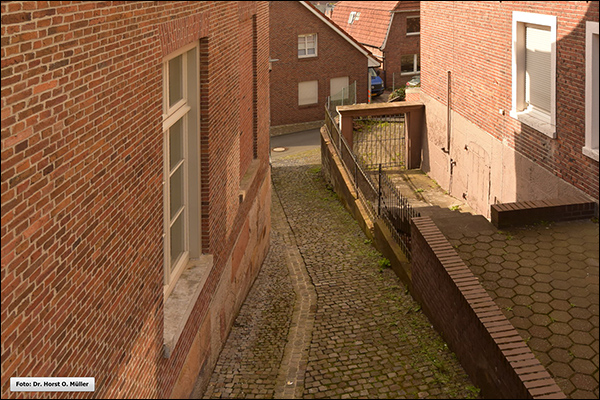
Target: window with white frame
[592, 127]
[413, 25]
[307, 45]
[180, 161]
[410, 64]
[534, 71]
[308, 93]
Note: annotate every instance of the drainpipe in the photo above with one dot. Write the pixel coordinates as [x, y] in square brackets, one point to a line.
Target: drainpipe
[449, 115]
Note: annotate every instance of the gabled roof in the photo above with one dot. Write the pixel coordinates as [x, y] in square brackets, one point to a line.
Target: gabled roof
[372, 60]
[372, 25]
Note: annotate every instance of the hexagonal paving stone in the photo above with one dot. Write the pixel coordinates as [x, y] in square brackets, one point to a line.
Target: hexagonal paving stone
[560, 316]
[542, 287]
[525, 280]
[541, 308]
[560, 328]
[558, 284]
[585, 382]
[576, 248]
[560, 250]
[480, 253]
[583, 366]
[561, 305]
[528, 255]
[478, 261]
[491, 276]
[560, 369]
[542, 277]
[507, 283]
[560, 294]
[560, 355]
[493, 267]
[537, 344]
[540, 320]
[523, 290]
[541, 297]
[580, 337]
[521, 323]
[579, 302]
[582, 351]
[522, 300]
[544, 261]
[493, 259]
[482, 246]
[466, 248]
[511, 257]
[512, 249]
[484, 239]
[522, 311]
[525, 270]
[504, 292]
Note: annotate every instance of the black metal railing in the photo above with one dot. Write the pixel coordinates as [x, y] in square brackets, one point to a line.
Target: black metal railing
[380, 140]
[375, 189]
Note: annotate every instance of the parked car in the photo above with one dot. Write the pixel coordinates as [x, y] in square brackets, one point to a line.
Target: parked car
[414, 82]
[376, 82]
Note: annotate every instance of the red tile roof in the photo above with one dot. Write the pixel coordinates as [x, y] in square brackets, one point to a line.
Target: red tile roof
[372, 25]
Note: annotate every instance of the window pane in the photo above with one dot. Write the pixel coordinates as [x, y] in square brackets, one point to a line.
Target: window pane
[177, 239]
[175, 80]
[311, 51]
[176, 191]
[175, 144]
[407, 63]
[413, 25]
[418, 62]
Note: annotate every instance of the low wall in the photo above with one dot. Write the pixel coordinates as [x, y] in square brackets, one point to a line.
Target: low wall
[489, 348]
[529, 212]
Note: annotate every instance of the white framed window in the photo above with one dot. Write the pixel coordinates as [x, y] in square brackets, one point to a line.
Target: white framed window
[410, 64]
[180, 124]
[534, 71]
[308, 93]
[307, 45]
[413, 25]
[338, 88]
[592, 54]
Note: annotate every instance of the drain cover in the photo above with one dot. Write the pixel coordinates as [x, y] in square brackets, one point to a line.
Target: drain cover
[279, 149]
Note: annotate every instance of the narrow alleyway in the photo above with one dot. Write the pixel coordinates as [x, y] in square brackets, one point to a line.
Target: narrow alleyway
[326, 318]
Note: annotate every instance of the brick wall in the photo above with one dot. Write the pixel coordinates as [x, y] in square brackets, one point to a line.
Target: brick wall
[473, 40]
[529, 212]
[82, 160]
[489, 348]
[399, 44]
[336, 58]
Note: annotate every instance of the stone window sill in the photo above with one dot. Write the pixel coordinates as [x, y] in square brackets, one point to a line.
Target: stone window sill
[591, 153]
[180, 303]
[539, 124]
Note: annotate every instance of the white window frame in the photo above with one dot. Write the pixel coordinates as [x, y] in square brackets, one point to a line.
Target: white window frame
[413, 33]
[541, 121]
[306, 45]
[172, 114]
[317, 93]
[415, 63]
[591, 84]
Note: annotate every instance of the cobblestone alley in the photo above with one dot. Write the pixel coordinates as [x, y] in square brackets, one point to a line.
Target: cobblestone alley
[326, 318]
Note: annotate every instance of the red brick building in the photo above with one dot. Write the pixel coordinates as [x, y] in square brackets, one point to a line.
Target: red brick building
[511, 96]
[390, 30]
[135, 188]
[311, 59]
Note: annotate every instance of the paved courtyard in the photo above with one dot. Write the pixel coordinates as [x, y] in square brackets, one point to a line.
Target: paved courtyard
[326, 317]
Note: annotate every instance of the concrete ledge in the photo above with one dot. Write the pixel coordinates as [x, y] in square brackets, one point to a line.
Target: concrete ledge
[528, 212]
[489, 348]
[291, 128]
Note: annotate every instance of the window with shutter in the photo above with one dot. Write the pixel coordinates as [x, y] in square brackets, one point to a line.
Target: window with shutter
[534, 71]
[537, 67]
[308, 92]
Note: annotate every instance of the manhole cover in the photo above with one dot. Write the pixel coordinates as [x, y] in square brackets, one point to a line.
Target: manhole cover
[279, 149]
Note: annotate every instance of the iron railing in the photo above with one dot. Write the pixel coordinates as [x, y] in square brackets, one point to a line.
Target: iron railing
[380, 140]
[375, 189]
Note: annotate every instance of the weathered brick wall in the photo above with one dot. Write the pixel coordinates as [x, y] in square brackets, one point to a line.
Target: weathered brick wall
[489, 348]
[336, 58]
[398, 44]
[474, 41]
[82, 159]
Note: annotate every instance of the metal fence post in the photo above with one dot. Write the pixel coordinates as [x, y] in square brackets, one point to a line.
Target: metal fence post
[379, 192]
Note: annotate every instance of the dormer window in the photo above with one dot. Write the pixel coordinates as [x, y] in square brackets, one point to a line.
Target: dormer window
[353, 17]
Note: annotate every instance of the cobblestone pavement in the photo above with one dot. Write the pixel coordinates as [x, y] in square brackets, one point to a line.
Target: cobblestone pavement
[544, 277]
[326, 318]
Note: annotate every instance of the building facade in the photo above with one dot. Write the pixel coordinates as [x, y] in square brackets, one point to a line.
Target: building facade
[135, 188]
[311, 59]
[390, 30]
[511, 96]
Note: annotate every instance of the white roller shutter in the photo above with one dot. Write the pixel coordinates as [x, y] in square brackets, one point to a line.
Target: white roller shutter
[538, 70]
[308, 92]
[335, 88]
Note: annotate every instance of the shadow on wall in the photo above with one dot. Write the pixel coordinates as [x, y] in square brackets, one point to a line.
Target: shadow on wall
[561, 157]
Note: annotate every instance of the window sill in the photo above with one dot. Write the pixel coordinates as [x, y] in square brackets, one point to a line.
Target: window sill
[410, 73]
[413, 34]
[591, 153]
[536, 122]
[179, 305]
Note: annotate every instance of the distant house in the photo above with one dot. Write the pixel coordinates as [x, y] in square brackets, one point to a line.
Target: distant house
[511, 97]
[390, 29]
[311, 59]
[135, 189]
